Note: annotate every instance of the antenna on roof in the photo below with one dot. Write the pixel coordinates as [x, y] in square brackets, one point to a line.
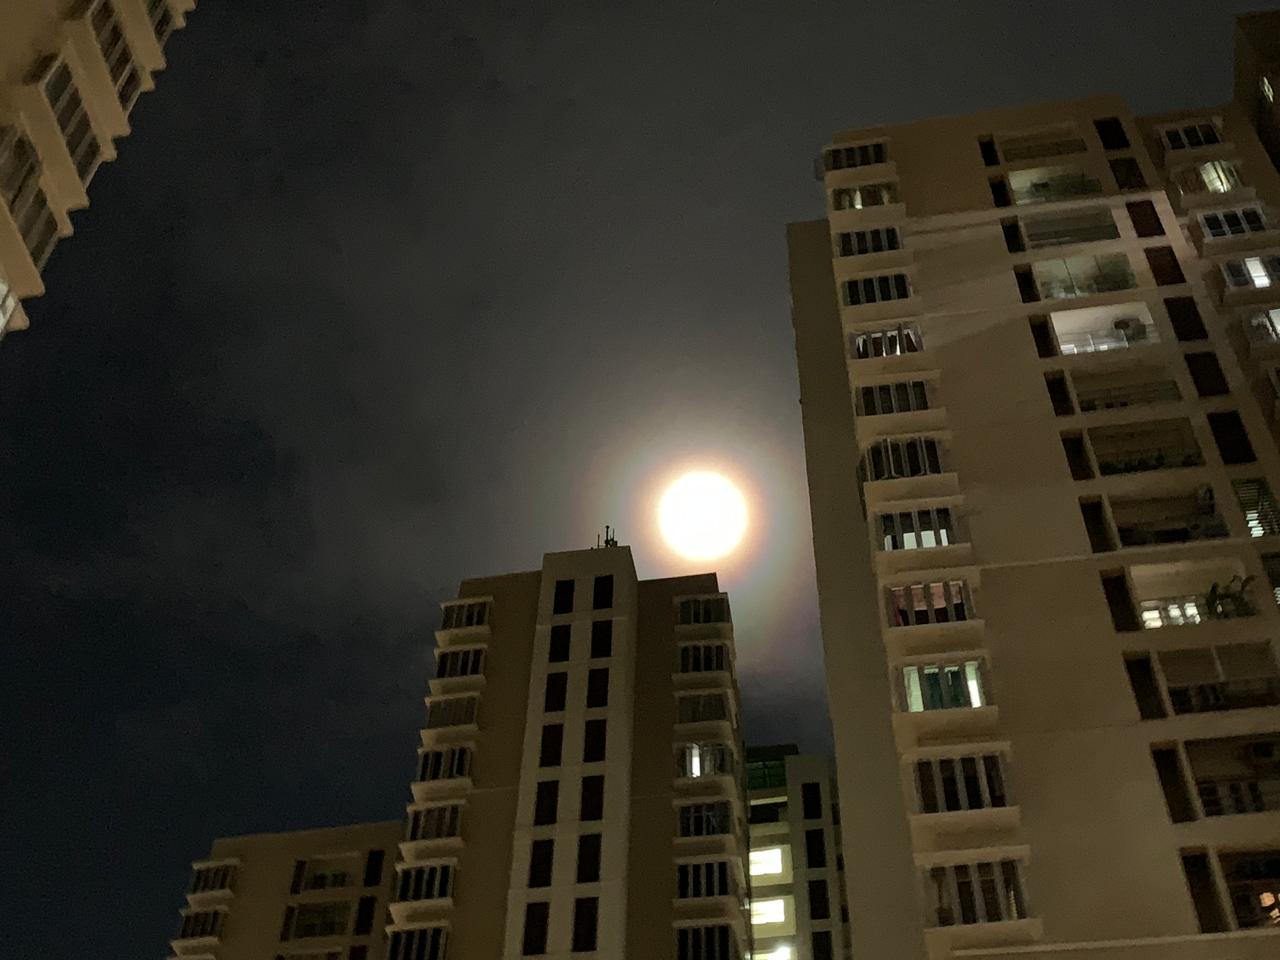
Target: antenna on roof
[610, 538]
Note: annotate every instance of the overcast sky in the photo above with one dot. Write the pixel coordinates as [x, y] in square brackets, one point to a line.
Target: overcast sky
[385, 293]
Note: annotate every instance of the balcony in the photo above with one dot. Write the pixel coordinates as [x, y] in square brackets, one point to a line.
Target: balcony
[1218, 695]
[1174, 519]
[464, 621]
[1230, 795]
[1126, 388]
[1086, 330]
[1051, 184]
[1139, 447]
[1083, 276]
[1262, 330]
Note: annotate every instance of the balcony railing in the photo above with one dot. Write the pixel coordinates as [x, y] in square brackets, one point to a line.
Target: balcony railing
[1063, 187]
[1225, 695]
[1128, 395]
[1221, 796]
[1142, 459]
[1183, 529]
[1083, 276]
[1220, 603]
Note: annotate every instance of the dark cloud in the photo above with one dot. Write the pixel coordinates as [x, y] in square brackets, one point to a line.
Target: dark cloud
[381, 294]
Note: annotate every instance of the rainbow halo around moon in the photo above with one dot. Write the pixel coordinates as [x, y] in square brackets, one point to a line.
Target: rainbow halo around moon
[702, 515]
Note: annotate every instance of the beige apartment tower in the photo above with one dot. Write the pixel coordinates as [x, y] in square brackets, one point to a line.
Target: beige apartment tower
[579, 787]
[1038, 354]
[70, 74]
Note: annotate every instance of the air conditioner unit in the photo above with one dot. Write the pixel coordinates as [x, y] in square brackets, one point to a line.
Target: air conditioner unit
[1262, 753]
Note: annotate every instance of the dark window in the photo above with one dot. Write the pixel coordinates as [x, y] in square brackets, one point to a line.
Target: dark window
[822, 949]
[373, 868]
[364, 916]
[1116, 589]
[588, 858]
[1206, 374]
[585, 913]
[552, 744]
[1059, 395]
[1111, 133]
[1042, 334]
[591, 801]
[1013, 241]
[1127, 173]
[602, 592]
[1027, 287]
[1146, 691]
[987, 147]
[299, 868]
[1000, 192]
[1095, 524]
[819, 904]
[286, 927]
[1184, 315]
[1176, 796]
[553, 698]
[593, 740]
[541, 856]
[815, 849]
[1204, 893]
[811, 800]
[601, 639]
[358, 953]
[563, 599]
[545, 802]
[559, 652]
[1077, 456]
[597, 687]
[1146, 221]
[535, 928]
[1230, 436]
[1164, 266]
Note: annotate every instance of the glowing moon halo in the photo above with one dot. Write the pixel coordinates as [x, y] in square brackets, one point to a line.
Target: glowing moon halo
[702, 515]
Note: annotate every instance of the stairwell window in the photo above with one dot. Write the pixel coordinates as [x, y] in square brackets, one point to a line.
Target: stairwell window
[1257, 273]
[984, 892]
[867, 195]
[939, 601]
[860, 242]
[903, 397]
[907, 457]
[891, 342]
[878, 289]
[917, 529]
[943, 686]
[1233, 223]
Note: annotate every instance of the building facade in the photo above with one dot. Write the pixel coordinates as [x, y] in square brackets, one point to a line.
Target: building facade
[1037, 351]
[70, 74]
[579, 784]
[798, 909]
[1257, 76]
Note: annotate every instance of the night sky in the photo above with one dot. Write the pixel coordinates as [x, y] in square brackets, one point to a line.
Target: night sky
[386, 293]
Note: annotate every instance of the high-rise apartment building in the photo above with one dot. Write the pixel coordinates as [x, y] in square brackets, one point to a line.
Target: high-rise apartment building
[1257, 75]
[1037, 352]
[579, 788]
[70, 73]
[798, 909]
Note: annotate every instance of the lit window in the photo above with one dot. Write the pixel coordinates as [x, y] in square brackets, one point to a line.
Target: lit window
[764, 863]
[1267, 91]
[768, 911]
[1257, 272]
[1219, 176]
[781, 952]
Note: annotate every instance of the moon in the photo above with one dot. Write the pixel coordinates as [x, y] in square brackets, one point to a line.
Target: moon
[702, 515]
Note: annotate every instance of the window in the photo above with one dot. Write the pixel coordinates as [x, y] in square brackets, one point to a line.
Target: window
[21, 188]
[325, 919]
[867, 195]
[767, 812]
[1111, 133]
[588, 858]
[1231, 438]
[1059, 394]
[1207, 374]
[364, 916]
[453, 712]
[597, 687]
[706, 943]
[773, 910]
[591, 800]
[943, 686]
[558, 651]
[535, 928]
[562, 598]
[161, 19]
[458, 616]
[593, 741]
[714, 609]
[811, 800]
[822, 948]
[553, 698]
[1228, 676]
[1200, 133]
[862, 155]
[601, 639]
[373, 868]
[766, 773]
[435, 823]
[950, 784]
[705, 819]
[1128, 173]
[1264, 84]
[1214, 176]
[73, 120]
[703, 657]
[819, 902]
[586, 911]
[1145, 218]
[700, 707]
[1000, 192]
[1164, 266]
[602, 592]
[1173, 785]
[1146, 692]
[460, 663]
[1233, 223]
[939, 601]
[902, 397]
[1255, 272]
[1184, 316]
[907, 457]
[1253, 886]
[859, 242]
[708, 878]
[541, 857]
[1050, 142]
[1204, 893]
[1077, 455]
[552, 745]
[1258, 506]
[545, 802]
[115, 51]
[429, 882]
[445, 764]
[419, 943]
[766, 862]
[1082, 276]
[203, 923]
[219, 877]
[704, 759]
[1051, 184]
[987, 149]
[890, 342]
[877, 289]
[1013, 239]
[323, 873]
[988, 892]
[917, 529]
[815, 849]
